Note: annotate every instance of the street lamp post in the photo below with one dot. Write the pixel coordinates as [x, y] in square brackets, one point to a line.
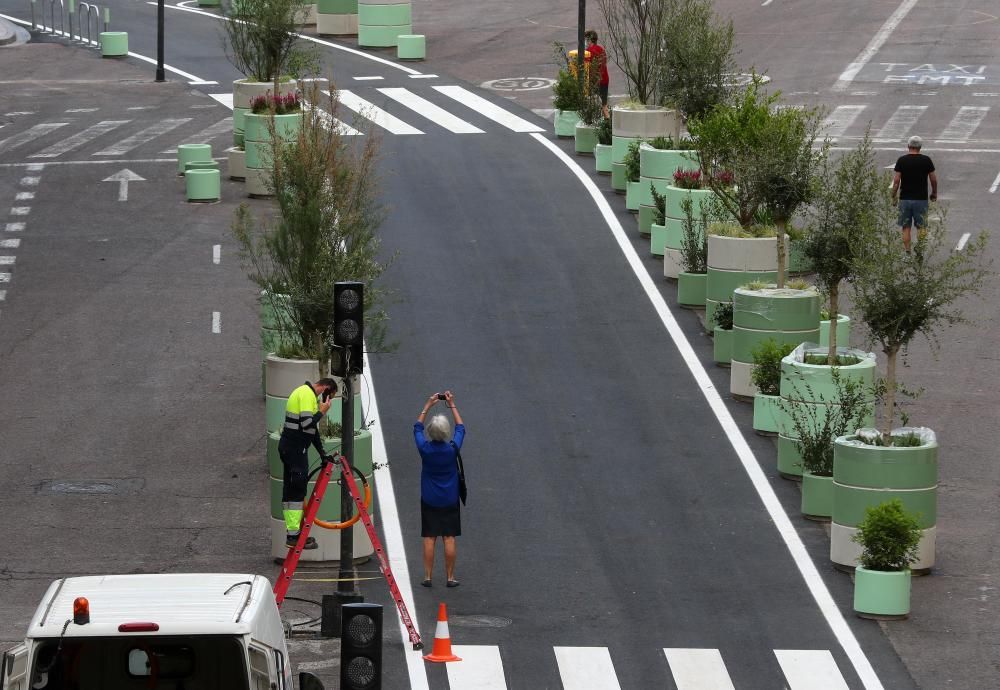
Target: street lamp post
[160, 76]
[580, 28]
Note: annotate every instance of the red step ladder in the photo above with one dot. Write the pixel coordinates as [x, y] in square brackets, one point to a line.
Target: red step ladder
[312, 507]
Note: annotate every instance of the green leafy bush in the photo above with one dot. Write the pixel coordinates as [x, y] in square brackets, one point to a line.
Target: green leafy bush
[660, 206]
[723, 316]
[604, 131]
[694, 242]
[889, 537]
[766, 372]
[632, 161]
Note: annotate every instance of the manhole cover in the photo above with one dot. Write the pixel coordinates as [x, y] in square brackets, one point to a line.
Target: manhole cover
[479, 621]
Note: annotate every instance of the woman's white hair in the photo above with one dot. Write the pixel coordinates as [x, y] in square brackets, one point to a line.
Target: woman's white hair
[439, 428]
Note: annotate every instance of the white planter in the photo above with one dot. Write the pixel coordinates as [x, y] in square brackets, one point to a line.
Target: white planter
[337, 24]
[285, 375]
[244, 90]
[672, 264]
[237, 168]
[645, 122]
[743, 253]
[327, 541]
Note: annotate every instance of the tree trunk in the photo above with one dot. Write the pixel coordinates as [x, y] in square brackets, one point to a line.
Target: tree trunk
[889, 414]
[781, 252]
[834, 307]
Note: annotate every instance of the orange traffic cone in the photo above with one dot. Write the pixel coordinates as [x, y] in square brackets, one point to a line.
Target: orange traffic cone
[442, 640]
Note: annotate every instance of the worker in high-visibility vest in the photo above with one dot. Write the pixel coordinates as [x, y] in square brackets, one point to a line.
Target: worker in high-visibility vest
[303, 413]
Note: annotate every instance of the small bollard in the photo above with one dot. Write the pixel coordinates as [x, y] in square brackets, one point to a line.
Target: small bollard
[203, 185]
[114, 43]
[200, 165]
[411, 47]
[187, 153]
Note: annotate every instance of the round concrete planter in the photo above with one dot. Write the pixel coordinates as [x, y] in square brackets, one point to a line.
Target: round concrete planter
[691, 290]
[766, 410]
[362, 452]
[657, 238]
[647, 214]
[817, 497]
[114, 44]
[784, 315]
[843, 331]
[411, 47]
[337, 17]
[656, 171]
[632, 196]
[274, 411]
[244, 91]
[882, 595]
[722, 346]
[865, 476]
[638, 122]
[674, 219]
[259, 148]
[382, 22]
[676, 195]
[673, 236]
[602, 158]
[736, 261]
[189, 153]
[618, 178]
[203, 185]
[285, 375]
[585, 138]
[565, 123]
[237, 163]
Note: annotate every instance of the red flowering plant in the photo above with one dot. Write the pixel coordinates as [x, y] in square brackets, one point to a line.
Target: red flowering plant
[724, 178]
[282, 105]
[687, 179]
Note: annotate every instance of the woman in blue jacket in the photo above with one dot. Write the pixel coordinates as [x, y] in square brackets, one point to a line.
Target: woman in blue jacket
[439, 507]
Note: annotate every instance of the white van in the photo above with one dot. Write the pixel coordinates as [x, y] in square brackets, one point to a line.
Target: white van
[199, 631]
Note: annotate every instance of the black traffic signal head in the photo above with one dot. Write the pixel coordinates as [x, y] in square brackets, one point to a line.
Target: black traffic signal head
[349, 327]
[361, 647]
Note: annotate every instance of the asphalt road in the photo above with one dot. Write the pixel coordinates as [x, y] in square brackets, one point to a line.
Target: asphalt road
[608, 509]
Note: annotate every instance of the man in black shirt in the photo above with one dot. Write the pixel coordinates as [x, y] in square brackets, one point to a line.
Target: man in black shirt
[909, 188]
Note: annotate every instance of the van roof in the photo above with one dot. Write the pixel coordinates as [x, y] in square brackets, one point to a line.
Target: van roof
[180, 604]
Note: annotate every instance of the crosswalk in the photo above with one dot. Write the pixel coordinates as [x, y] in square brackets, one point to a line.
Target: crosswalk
[592, 668]
[963, 124]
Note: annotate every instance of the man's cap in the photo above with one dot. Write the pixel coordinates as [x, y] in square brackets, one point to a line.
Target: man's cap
[915, 142]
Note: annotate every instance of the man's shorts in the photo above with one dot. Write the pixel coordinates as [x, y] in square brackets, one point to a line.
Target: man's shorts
[603, 90]
[913, 212]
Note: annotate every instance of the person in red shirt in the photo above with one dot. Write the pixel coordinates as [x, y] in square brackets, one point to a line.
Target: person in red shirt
[599, 59]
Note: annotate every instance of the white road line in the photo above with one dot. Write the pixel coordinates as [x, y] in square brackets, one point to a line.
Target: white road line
[29, 135]
[481, 668]
[423, 76]
[20, 210]
[368, 78]
[140, 107]
[36, 167]
[586, 668]
[386, 496]
[810, 669]
[30, 181]
[961, 242]
[873, 47]
[19, 112]
[80, 138]
[3, 295]
[986, 94]
[372, 112]
[824, 600]
[143, 136]
[225, 99]
[7, 260]
[488, 109]
[82, 110]
[24, 196]
[996, 183]
[329, 121]
[117, 161]
[216, 253]
[837, 122]
[435, 114]
[14, 227]
[964, 123]
[4, 277]
[900, 122]
[763, 4]
[10, 244]
[216, 322]
[698, 669]
[223, 126]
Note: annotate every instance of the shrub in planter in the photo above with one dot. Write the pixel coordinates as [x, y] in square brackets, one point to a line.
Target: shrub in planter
[889, 537]
[694, 254]
[602, 149]
[766, 377]
[632, 176]
[722, 334]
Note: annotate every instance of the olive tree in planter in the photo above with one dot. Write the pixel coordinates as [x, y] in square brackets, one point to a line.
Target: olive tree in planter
[766, 377]
[635, 33]
[722, 334]
[602, 149]
[816, 427]
[899, 294]
[889, 537]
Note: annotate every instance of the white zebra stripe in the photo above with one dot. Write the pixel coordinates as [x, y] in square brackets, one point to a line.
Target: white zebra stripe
[810, 669]
[380, 117]
[432, 112]
[586, 668]
[698, 669]
[481, 668]
[80, 138]
[143, 136]
[488, 109]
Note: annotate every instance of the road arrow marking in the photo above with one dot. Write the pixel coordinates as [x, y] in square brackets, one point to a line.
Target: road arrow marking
[123, 177]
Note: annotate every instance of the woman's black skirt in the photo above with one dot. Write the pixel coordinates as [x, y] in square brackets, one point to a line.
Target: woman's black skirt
[440, 522]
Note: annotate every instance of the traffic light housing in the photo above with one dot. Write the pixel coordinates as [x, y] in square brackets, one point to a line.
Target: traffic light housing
[361, 647]
[348, 328]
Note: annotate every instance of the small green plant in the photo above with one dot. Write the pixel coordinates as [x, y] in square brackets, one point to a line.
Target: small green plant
[566, 91]
[723, 315]
[663, 143]
[604, 131]
[694, 242]
[659, 205]
[766, 372]
[818, 426]
[757, 285]
[573, 93]
[839, 361]
[798, 284]
[632, 161]
[889, 537]
[727, 230]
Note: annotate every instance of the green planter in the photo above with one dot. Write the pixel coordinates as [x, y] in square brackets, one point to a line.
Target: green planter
[114, 44]
[657, 238]
[722, 346]
[584, 138]
[662, 163]
[565, 123]
[843, 331]
[882, 595]
[675, 195]
[691, 290]
[789, 458]
[646, 216]
[632, 196]
[274, 412]
[736, 261]
[337, 6]
[203, 185]
[865, 476]
[602, 158]
[618, 179]
[362, 453]
[411, 46]
[258, 147]
[766, 410]
[817, 497]
[189, 153]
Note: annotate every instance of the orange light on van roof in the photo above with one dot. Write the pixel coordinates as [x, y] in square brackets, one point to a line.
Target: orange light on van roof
[81, 611]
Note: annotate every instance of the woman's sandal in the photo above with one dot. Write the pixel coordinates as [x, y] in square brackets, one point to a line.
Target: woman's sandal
[453, 583]
[426, 583]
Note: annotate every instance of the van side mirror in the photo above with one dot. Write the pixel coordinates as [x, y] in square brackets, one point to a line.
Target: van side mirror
[308, 681]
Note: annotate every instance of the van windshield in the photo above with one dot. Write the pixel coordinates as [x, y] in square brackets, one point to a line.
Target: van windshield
[200, 662]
